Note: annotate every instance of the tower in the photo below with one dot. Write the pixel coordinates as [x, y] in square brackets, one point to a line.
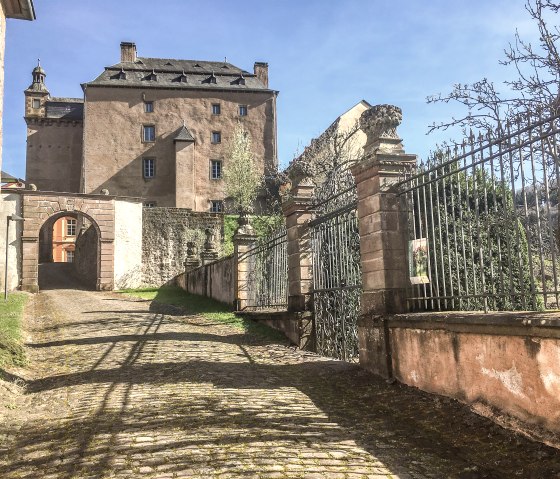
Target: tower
[36, 94]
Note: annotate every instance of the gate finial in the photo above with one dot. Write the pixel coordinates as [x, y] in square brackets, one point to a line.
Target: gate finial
[380, 124]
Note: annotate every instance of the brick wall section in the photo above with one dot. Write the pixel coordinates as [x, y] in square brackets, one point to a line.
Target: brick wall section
[165, 234]
[38, 207]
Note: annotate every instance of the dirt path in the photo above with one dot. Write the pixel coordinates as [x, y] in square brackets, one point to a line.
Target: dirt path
[118, 389]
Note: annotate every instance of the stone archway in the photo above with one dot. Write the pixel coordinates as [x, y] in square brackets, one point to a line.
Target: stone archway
[84, 270]
[39, 207]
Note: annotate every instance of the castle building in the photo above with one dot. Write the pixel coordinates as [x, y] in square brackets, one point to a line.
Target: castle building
[150, 127]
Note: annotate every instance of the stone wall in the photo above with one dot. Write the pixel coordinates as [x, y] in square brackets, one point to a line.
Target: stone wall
[214, 280]
[165, 234]
[504, 364]
[86, 257]
[128, 244]
[10, 204]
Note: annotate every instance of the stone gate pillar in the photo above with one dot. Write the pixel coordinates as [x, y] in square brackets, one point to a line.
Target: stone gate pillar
[383, 233]
[297, 211]
[243, 240]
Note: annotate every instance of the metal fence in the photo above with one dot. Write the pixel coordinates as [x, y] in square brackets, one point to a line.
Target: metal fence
[268, 272]
[337, 280]
[483, 221]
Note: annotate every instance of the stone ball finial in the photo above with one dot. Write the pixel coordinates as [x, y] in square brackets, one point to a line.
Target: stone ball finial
[105, 192]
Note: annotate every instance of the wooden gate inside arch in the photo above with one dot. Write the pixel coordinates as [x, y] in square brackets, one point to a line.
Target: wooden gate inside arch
[337, 279]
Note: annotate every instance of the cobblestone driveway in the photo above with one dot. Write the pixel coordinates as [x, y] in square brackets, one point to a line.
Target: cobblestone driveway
[118, 389]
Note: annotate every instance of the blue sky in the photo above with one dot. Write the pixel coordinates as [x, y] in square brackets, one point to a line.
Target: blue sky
[324, 55]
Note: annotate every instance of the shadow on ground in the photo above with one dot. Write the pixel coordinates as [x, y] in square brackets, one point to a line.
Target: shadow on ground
[196, 404]
[60, 276]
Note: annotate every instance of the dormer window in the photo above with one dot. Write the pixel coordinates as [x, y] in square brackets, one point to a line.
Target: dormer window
[239, 81]
[197, 65]
[212, 79]
[152, 76]
[120, 75]
[182, 78]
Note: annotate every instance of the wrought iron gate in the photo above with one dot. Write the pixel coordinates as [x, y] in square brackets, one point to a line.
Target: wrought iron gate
[337, 280]
[267, 279]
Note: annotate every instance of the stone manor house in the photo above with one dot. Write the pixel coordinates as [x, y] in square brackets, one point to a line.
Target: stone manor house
[151, 128]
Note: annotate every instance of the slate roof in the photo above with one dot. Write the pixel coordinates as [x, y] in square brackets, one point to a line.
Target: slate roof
[198, 74]
[184, 135]
[65, 108]
[7, 178]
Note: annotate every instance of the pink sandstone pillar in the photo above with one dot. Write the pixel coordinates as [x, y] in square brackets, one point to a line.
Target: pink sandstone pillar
[243, 240]
[383, 233]
[297, 212]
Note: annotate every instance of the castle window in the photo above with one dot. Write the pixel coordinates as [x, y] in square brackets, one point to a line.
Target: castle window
[216, 206]
[216, 137]
[216, 109]
[150, 204]
[215, 169]
[242, 110]
[149, 167]
[148, 133]
[69, 256]
[36, 103]
[70, 227]
[149, 106]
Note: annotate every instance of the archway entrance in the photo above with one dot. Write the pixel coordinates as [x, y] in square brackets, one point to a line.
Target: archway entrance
[94, 250]
[69, 252]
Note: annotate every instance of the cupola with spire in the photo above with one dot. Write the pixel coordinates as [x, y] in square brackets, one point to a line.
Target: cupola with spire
[37, 93]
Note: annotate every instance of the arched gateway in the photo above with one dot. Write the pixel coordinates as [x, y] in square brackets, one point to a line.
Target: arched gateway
[40, 209]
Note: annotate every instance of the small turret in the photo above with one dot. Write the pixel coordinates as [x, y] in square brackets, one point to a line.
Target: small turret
[37, 93]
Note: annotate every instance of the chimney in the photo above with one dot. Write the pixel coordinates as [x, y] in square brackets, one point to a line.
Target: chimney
[128, 52]
[261, 70]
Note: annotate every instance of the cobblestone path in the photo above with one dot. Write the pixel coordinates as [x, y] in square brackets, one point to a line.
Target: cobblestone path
[118, 389]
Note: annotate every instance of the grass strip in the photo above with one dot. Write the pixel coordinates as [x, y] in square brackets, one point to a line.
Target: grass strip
[208, 308]
[12, 352]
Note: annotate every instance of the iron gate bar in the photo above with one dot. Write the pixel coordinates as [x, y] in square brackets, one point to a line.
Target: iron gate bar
[493, 239]
[514, 147]
[267, 282]
[333, 214]
[337, 286]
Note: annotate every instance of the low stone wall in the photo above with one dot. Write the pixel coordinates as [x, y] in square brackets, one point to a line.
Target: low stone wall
[86, 257]
[505, 362]
[165, 234]
[297, 327]
[214, 280]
